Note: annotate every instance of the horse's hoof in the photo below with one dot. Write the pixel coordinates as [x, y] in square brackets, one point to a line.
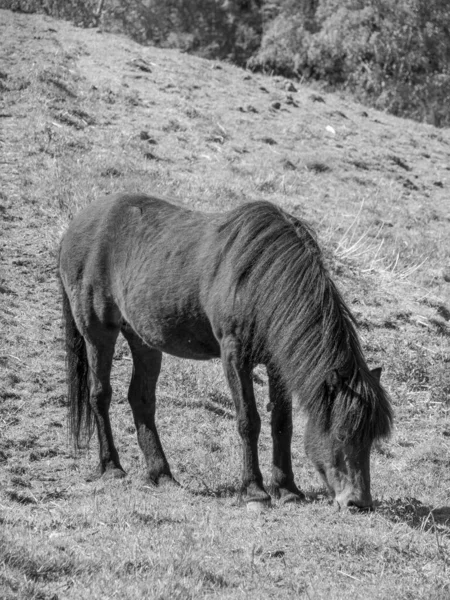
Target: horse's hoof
[94, 475]
[167, 481]
[110, 471]
[115, 473]
[292, 498]
[258, 506]
[162, 481]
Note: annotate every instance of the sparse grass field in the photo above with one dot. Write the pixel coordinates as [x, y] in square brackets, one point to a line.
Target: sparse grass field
[85, 113]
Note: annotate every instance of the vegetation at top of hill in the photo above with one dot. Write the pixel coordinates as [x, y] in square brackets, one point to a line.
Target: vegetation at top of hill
[394, 56]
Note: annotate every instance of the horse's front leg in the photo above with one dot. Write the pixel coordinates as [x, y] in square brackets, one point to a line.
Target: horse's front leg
[283, 485]
[238, 375]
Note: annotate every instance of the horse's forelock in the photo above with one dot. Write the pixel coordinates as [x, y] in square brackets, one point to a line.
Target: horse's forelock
[361, 410]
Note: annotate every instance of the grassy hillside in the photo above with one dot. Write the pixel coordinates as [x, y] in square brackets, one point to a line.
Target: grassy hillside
[84, 114]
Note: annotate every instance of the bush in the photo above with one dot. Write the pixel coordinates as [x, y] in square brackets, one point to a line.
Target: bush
[228, 30]
[81, 12]
[394, 56]
[283, 47]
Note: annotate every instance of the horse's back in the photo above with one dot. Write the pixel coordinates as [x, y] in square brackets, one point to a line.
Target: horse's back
[105, 228]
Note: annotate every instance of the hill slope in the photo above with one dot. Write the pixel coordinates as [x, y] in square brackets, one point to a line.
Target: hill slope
[85, 113]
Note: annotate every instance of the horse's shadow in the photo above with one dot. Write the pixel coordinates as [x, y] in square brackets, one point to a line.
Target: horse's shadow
[407, 510]
[410, 511]
[415, 514]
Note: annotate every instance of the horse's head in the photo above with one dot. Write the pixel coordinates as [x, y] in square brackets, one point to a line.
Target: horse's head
[342, 462]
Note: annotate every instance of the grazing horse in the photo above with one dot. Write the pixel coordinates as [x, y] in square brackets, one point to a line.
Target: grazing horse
[248, 286]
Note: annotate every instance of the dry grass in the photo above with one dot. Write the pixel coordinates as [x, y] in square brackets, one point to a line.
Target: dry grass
[79, 118]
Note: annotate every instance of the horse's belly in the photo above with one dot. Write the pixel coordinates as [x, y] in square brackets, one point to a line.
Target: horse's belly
[191, 349]
[188, 346]
[185, 340]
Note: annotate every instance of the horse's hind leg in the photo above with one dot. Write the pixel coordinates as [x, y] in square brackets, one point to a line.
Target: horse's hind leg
[283, 485]
[142, 398]
[100, 351]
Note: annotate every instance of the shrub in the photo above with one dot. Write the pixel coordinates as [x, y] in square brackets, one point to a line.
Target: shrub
[81, 12]
[395, 56]
[224, 30]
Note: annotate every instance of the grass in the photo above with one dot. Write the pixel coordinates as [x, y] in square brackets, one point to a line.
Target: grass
[84, 120]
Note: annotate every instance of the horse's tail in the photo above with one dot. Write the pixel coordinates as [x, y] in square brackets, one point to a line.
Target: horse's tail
[77, 369]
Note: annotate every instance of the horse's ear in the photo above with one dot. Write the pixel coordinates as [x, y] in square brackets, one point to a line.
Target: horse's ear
[377, 373]
[333, 380]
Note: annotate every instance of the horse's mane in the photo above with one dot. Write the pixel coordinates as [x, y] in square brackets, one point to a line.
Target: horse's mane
[293, 317]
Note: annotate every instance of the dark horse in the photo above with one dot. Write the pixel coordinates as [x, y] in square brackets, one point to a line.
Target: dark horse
[248, 286]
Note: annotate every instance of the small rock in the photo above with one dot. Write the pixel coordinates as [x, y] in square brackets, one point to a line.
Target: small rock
[287, 164]
[151, 156]
[290, 100]
[400, 162]
[248, 108]
[144, 135]
[317, 166]
[140, 64]
[443, 312]
[408, 184]
[276, 105]
[110, 172]
[269, 140]
[290, 87]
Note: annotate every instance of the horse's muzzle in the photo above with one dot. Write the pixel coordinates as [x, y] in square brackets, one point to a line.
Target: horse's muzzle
[353, 501]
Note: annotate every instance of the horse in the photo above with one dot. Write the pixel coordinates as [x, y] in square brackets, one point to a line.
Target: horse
[249, 286]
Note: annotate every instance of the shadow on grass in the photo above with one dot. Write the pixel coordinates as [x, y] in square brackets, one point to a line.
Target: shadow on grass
[154, 520]
[318, 495]
[230, 490]
[416, 515]
[400, 510]
[219, 408]
[27, 569]
[221, 491]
